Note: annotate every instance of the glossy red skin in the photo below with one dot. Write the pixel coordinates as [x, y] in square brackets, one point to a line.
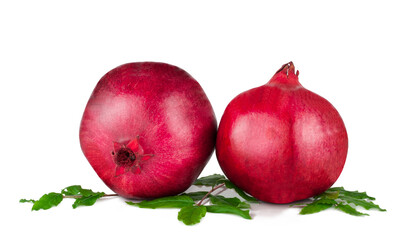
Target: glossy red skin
[168, 110]
[280, 142]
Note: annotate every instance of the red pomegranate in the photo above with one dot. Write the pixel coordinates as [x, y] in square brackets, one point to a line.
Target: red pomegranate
[148, 130]
[280, 142]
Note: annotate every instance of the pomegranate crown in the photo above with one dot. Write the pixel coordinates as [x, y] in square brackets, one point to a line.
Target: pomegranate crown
[286, 75]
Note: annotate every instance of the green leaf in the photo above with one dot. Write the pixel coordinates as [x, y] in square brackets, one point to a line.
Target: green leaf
[325, 201]
[243, 205]
[331, 194]
[196, 196]
[235, 202]
[226, 201]
[211, 180]
[191, 215]
[361, 202]
[72, 190]
[87, 200]
[228, 209]
[87, 192]
[318, 206]
[25, 201]
[353, 194]
[165, 202]
[350, 210]
[47, 201]
[340, 199]
[88, 197]
[239, 191]
[314, 208]
[76, 190]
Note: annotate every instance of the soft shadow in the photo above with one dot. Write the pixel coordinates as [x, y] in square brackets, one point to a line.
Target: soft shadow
[272, 209]
[268, 209]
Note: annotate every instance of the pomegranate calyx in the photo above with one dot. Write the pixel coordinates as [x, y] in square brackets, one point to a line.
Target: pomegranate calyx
[124, 157]
[286, 75]
[128, 158]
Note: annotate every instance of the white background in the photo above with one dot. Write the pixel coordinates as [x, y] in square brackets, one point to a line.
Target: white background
[52, 54]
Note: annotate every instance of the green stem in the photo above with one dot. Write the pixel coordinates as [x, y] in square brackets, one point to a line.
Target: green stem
[79, 196]
[207, 194]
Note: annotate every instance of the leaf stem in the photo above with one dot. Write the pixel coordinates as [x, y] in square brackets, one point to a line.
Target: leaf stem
[79, 196]
[207, 194]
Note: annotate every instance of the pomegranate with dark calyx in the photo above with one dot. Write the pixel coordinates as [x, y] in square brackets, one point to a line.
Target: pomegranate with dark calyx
[280, 142]
[148, 130]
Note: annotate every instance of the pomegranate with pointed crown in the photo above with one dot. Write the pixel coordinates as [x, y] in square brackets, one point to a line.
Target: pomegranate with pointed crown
[148, 130]
[280, 142]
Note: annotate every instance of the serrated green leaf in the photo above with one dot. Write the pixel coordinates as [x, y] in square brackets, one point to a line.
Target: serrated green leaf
[350, 210]
[243, 205]
[332, 194]
[71, 190]
[211, 180]
[235, 202]
[47, 201]
[239, 191]
[318, 206]
[191, 215]
[340, 199]
[165, 202]
[310, 208]
[88, 200]
[26, 200]
[228, 209]
[353, 194]
[196, 196]
[361, 202]
[325, 201]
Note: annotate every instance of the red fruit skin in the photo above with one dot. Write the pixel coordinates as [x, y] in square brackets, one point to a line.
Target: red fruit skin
[280, 142]
[158, 112]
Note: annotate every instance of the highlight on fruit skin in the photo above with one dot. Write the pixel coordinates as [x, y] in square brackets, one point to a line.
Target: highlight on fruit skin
[148, 130]
[281, 142]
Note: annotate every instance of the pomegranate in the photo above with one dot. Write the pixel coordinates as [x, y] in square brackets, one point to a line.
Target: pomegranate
[280, 142]
[148, 130]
